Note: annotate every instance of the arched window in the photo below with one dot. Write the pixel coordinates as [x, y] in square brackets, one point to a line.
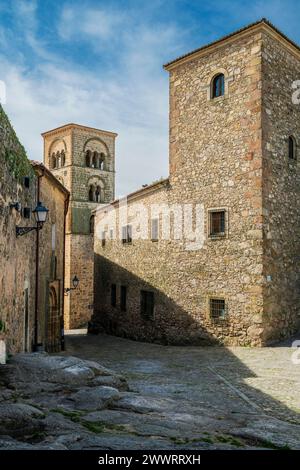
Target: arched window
[58, 160]
[88, 158]
[95, 156]
[292, 148]
[98, 194]
[92, 224]
[102, 159]
[63, 158]
[91, 193]
[53, 160]
[218, 86]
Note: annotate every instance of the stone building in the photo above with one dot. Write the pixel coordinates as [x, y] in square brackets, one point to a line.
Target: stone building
[50, 321]
[83, 159]
[17, 273]
[234, 143]
[22, 287]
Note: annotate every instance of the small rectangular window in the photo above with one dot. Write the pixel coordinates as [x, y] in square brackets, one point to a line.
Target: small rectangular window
[123, 302]
[113, 294]
[147, 304]
[217, 223]
[154, 229]
[127, 234]
[26, 182]
[26, 212]
[103, 239]
[217, 309]
[111, 234]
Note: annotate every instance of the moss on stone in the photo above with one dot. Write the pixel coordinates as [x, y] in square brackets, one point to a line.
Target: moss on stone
[14, 152]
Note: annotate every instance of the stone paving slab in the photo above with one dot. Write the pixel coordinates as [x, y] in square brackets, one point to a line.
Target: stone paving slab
[260, 385]
[111, 393]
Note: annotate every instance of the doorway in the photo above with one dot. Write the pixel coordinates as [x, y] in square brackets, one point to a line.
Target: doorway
[26, 320]
[53, 323]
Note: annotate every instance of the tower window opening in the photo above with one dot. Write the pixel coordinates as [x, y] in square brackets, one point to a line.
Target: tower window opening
[218, 86]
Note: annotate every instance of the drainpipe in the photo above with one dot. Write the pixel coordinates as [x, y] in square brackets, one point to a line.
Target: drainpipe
[36, 345]
[62, 317]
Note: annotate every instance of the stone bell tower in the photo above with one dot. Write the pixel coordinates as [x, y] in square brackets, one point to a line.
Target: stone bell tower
[83, 159]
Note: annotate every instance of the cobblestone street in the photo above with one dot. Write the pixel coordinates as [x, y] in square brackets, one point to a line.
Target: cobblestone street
[111, 393]
[247, 389]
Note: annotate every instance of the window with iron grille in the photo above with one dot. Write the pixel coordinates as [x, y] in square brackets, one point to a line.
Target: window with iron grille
[123, 300]
[147, 304]
[217, 309]
[217, 223]
[154, 229]
[127, 234]
[113, 295]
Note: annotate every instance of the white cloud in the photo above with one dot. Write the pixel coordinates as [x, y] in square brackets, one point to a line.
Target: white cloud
[79, 23]
[131, 99]
[51, 96]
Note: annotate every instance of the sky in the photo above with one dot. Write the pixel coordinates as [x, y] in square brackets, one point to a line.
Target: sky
[99, 63]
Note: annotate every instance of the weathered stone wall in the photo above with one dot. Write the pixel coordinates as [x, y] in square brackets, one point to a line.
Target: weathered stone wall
[215, 160]
[77, 177]
[17, 259]
[281, 194]
[51, 263]
[79, 262]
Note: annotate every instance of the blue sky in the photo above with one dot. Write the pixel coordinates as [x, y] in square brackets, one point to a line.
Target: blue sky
[99, 63]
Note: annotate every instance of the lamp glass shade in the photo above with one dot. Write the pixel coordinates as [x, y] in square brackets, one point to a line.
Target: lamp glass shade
[75, 281]
[40, 213]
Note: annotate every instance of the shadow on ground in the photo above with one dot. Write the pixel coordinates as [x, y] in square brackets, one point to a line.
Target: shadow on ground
[250, 394]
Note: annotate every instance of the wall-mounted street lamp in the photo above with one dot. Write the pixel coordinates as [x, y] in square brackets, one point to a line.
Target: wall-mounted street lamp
[75, 282]
[16, 206]
[40, 215]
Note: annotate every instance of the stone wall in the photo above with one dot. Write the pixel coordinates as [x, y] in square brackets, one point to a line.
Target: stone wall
[17, 274]
[79, 262]
[281, 195]
[51, 261]
[75, 140]
[228, 153]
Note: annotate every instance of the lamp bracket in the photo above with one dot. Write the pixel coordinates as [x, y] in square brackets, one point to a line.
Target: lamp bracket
[23, 230]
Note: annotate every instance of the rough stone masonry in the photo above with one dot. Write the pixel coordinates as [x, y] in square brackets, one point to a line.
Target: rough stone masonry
[236, 154]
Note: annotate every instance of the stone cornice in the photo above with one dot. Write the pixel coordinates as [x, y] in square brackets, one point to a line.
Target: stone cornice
[137, 194]
[41, 169]
[72, 126]
[260, 26]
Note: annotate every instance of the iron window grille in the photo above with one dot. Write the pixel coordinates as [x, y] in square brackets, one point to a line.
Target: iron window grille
[217, 223]
[217, 309]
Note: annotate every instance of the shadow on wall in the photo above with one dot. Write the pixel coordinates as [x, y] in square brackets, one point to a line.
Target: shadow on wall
[169, 324]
